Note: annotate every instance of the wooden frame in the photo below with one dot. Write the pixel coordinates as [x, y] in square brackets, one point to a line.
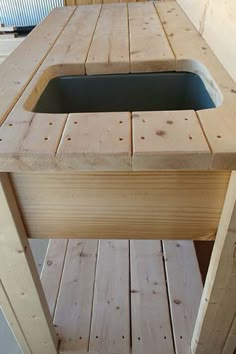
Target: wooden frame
[43, 163]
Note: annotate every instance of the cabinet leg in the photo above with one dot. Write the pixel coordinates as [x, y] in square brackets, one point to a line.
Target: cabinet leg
[218, 303]
[19, 276]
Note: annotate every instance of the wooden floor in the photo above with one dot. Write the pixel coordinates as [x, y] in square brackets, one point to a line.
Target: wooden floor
[120, 297]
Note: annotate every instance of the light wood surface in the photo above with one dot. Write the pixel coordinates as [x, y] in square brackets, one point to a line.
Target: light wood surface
[230, 343]
[12, 321]
[20, 278]
[217, 308]
[109, 50]
[110, 317]
[148, 283]
[168, 139]
[216, 22]
[52, 270]
[113, 38]
[126, 205]
[185, 290]
[110, 149]
[189, 47]
[122, 276]
[76, 289]
[149, 47]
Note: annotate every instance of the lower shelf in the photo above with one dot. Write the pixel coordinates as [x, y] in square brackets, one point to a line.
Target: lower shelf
[120, 297]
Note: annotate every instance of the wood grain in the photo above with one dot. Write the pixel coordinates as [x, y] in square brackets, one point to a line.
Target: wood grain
[149, 47]
[173, 205]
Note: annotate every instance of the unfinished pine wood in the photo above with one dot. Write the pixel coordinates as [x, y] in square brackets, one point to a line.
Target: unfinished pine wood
[52, 271]
[215, 20]
[110, 325]
[98, 205]
[218, 302]
[230, 343]
[12, 321]
[185, 290]
[38, 135]
[149, 47]
[157, 136]
[73, 322]
[17, 70]
[150, 316]
[20, 278]
[109, 51]
[96, 141]
[193, 54]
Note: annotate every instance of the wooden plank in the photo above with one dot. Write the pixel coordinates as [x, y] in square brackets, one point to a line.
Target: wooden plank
[230, 344]
[150, 316]
[149, 47]
[218, 302]
[35, 137]
[110, 328]
[14, 81]
[215, 20]
[185, 290]
[194, 55]
[157, 136]
[20, 278]
[122, 204]
[74, 305]
[110, 134]
[52, 271]
[109, 51]
[13, 323]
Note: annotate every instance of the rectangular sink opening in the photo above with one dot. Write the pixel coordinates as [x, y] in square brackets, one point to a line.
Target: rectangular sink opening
[164, 91]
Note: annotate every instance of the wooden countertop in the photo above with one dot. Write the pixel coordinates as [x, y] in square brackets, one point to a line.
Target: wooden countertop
[114, 38]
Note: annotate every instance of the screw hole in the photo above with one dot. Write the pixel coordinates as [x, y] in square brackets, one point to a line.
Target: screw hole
[10, 125]
[80, 338]
[142, 137]
[45, 138]
[181, 337]
[139, 338]
[190, 137]
[121, 121]
[219, 136]
[69, 139]
[185, 118]
[96, 337]
[164, 337]
[0, 139]
[75, 122]
[123, 337]
[120, 139]
[50, 123]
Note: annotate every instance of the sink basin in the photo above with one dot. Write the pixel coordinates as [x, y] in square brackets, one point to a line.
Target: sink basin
[163, 91]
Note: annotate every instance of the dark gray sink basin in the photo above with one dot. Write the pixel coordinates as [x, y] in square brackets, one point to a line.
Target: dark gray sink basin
[124, 92]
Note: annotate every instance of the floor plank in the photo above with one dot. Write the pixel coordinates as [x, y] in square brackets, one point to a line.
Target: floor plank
[73, 312]
[151, 328]
[185, 290]
[110, 321]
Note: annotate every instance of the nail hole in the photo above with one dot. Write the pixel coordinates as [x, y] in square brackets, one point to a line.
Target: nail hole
[181, 337]
[120, 139]
[69, 139]
[121, 121]
[164, 337]
[143, 120]
[45, 138]
[142, 137]
[50, 123]
[10, 125]
[75, 122]
[0, 139]
[139, 338]
[123, 337]
[190, 137]
[219, 136]
[80, 338]
[185, 118]
[96, 337]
